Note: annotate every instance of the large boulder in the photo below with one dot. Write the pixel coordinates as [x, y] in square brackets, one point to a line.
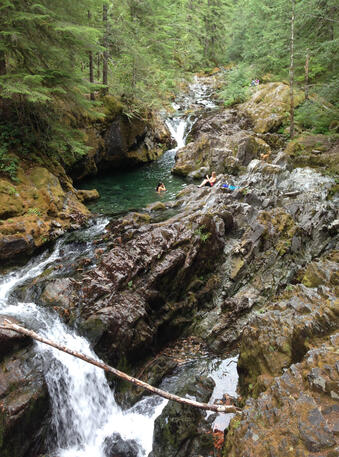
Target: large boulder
[139, 293]
[297, 415]
[214, 146]
[118, 142]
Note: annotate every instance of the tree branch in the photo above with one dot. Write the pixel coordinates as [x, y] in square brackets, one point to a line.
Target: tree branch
[7, 325]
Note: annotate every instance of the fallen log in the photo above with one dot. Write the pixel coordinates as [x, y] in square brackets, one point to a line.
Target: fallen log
[8, 325]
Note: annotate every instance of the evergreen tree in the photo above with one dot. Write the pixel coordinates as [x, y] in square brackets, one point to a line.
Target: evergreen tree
[43, 48]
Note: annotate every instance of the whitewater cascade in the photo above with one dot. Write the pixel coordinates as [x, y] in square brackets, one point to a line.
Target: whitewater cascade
[84, 412]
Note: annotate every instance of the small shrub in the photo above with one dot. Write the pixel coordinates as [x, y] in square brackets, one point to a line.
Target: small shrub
[202, 233]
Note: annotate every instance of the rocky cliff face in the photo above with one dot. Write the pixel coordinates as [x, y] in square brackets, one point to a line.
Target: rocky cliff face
[118, 142]
[42, 203]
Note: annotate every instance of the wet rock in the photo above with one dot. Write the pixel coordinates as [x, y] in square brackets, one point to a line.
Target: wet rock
[115, 446]
[14, 245]
[11, 341]
[23, 404]
[178, 431]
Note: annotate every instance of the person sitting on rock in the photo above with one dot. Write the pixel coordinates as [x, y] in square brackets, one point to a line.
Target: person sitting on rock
[160, 187]
[209, 181]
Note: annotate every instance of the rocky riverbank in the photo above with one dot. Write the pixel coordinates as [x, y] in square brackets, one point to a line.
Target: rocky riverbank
[253, 269]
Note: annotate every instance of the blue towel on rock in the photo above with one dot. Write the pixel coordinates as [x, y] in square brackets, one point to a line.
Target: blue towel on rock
[229, 186]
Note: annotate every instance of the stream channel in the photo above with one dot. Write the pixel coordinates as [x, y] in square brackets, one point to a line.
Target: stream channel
[84, 412]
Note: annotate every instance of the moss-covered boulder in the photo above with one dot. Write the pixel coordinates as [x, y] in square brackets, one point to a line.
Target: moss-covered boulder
[117, 142]
[34, 210]
[297, 415]
[269, 106]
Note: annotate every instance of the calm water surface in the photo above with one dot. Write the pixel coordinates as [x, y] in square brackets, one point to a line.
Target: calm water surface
[134, 189]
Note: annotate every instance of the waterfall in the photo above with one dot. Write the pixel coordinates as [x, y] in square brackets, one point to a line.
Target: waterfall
[178, 127]
[84, 411]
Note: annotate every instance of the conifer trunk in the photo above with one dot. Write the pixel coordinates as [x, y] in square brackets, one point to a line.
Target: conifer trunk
[307, 75]
[105, 59]
[292, 72]
[2, 63]
[90, 57]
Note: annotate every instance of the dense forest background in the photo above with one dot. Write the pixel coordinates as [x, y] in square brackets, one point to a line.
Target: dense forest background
[58, 60]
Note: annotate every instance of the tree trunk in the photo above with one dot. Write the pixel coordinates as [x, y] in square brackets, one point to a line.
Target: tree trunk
[2, 63]
[98, 66]
[292, 73]
[90, 57]
[8, 325]
[307, 75]
[105, 56]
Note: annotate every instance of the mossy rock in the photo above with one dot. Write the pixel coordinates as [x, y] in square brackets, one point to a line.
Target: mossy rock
[269, 106]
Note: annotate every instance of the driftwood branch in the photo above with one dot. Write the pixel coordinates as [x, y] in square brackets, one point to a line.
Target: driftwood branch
[7, 325]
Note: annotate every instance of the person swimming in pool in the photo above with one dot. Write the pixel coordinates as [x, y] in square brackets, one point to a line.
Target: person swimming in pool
[209, 181]
[160, 187]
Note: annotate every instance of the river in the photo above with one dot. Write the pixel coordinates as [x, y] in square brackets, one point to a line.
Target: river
[85, 415]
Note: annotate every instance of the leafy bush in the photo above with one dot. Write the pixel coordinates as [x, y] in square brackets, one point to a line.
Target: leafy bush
[34, 211]
[13, 139]
[237, 82]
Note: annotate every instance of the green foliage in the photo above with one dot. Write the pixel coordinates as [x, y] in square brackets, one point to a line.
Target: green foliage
[42, 50]
[34, 211]
[316, 116]
[237, 82]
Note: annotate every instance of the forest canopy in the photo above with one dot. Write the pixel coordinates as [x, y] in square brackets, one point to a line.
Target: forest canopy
[59, 58]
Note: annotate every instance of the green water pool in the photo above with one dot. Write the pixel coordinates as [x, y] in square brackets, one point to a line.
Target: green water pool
[134, 189]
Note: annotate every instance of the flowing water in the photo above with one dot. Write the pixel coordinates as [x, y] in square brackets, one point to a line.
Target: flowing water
[84, 411]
